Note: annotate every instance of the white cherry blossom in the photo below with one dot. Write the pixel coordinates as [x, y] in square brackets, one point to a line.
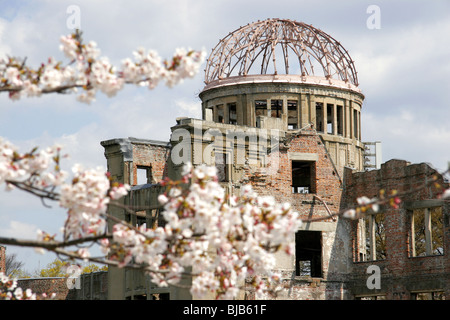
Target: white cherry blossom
[10, 291]
[222, 241]
[91, 73]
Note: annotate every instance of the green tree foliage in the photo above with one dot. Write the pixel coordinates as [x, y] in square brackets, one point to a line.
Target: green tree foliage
[54, 269]
[94, 268]
[57, 268]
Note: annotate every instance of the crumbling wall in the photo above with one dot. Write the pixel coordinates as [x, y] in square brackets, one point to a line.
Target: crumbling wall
[316, 209]
[152, 156]
[276, 180]
[2, 259]
[88, 286]
[402, 275]
[46, 286]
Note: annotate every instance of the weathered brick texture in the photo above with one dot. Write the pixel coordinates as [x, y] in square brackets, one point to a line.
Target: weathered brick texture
[152, 156]
[401, 274]
[2, 259]
[326, 185]
[92, 286]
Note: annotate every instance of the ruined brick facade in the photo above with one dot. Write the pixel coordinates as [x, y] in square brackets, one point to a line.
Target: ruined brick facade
[404, 274]
[150, 157]
[125, 158]
[47, 286]
[326, 185]
[89, 286]
[2, 259]
[298, 139]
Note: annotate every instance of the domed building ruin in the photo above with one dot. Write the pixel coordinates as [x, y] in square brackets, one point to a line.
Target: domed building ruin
[281, 110]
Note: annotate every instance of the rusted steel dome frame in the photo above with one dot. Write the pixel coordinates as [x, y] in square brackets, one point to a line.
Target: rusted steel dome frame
[236, 53]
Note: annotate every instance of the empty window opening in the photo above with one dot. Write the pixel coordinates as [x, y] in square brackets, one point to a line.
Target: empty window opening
[222, 166]
[319, 116]
[292, 114]
[261, 108]
[232, 113]
[373, 237]
[161, 296]
[303, 176]
[141, 218]
[276, 107]
[355, 124]
[143, 175]
[427, 232]
[330, 118]
[340, 120]
[371, 297]
[220, 114]
[432, 295]
[308, 253]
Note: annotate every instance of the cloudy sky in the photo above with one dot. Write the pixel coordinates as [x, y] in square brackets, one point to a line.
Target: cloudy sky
[403, 69]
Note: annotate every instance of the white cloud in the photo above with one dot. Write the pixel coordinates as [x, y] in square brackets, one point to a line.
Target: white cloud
[4, 48]
[397, 60]
[404, 136]
[192, 109]
[19, 230]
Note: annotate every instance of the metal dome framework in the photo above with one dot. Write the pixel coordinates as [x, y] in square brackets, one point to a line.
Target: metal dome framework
[272, 39]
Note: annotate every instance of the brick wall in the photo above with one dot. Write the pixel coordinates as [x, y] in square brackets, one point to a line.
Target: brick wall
[325, 198]
[2, 259]
[46, 286]
[92, 286]
[151, 156]
[278, 183]
[401, 274]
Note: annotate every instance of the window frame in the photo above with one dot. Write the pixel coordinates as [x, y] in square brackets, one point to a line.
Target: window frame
[312, 177]
[428, 231]
[314, 252]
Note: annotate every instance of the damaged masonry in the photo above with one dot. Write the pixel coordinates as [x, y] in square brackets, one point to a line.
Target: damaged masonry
[281, 110]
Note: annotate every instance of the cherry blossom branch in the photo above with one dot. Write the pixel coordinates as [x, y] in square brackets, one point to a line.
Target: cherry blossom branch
[365, 205]
[224, 239]
[91, 73]
[58, 89]
[35, 191]
[51, 244]
[57, 247]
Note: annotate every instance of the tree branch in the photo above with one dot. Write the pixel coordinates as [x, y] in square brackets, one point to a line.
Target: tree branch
[51, 245]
